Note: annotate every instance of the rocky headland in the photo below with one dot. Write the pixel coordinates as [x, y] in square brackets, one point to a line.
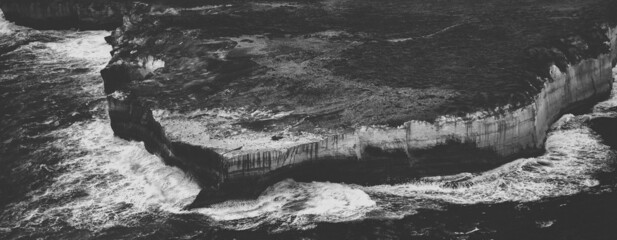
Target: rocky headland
[243, 94]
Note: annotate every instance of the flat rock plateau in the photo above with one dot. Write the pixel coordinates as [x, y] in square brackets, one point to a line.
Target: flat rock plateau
[242, 94]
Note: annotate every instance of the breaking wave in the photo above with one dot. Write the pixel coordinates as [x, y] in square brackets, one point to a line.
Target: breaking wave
[113, 181]
[109, 184]
[104, 181]
[290, 204]
[573, 158]
[6, 27]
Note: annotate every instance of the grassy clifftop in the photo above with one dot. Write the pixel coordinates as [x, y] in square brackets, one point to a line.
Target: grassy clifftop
[348, 63]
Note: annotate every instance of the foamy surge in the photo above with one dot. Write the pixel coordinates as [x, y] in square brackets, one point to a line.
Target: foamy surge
[573, 157]
[289, 204]
[113, 182]
[6, 27]
[109, 185]
[107, 181]
[89, 47]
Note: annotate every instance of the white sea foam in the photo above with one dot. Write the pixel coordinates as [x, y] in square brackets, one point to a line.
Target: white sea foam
[6, 27]
[86, 51]
[88, 46]
[290, 204]
[573, 157]
[108, 181]
[114, 180]
[116, 172]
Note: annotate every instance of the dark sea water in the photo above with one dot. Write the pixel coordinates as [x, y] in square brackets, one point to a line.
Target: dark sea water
[63, 175]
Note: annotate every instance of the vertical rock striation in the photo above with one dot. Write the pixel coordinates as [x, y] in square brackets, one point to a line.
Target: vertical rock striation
[370, 154]
[574, 71]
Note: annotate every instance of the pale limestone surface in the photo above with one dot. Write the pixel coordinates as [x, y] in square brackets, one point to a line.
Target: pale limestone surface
[508, 133]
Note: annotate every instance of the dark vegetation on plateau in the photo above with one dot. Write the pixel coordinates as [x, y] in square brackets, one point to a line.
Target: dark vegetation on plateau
[339, 64]
[383, 62]
[455, 57]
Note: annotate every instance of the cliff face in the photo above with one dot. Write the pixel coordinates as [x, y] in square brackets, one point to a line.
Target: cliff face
[371, 155]
[516, 131]
[65, 14]
[507, 132]
[239, 111]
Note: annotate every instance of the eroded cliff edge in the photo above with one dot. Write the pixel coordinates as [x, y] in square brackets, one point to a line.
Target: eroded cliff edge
[246, 94]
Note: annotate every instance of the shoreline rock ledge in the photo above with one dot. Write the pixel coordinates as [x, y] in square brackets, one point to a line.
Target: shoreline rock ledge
[241, 95]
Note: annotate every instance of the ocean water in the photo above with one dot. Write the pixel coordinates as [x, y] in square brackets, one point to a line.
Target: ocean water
[100, 186]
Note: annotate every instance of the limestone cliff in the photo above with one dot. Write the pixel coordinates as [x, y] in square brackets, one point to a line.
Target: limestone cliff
[241, 102]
